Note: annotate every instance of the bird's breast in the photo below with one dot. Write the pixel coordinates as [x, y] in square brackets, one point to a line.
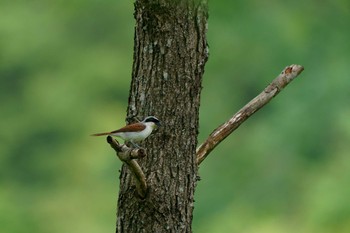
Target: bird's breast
[135, 136]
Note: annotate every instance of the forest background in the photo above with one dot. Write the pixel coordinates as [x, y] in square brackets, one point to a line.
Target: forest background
[65, 71]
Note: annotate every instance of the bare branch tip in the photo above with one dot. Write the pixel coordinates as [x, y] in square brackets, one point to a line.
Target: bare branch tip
[109, 139]
[220, 133]
[296, 69]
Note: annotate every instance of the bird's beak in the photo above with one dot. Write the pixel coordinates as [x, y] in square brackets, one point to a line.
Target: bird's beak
[158, 124]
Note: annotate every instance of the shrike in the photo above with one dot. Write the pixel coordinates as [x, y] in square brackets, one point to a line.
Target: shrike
[135, 132]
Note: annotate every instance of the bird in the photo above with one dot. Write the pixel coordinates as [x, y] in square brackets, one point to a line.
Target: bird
[135, 132]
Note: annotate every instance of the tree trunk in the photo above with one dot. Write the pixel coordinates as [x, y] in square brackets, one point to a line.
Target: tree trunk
[170, 52]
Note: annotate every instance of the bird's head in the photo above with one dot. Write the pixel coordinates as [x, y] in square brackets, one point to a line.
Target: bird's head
[152, 119]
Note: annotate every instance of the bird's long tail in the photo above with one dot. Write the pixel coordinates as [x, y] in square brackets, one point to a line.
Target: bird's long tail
[100, 134]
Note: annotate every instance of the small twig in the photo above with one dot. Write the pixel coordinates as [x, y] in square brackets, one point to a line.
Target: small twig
[128, 156]
[220, 133]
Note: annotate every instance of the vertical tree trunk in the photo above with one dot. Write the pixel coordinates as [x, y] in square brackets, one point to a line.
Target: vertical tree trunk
[170, 52]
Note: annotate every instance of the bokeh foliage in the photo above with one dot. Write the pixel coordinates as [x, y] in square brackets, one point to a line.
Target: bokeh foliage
[65, 69]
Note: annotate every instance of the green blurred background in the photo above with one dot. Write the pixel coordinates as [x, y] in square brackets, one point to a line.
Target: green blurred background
[65, 69]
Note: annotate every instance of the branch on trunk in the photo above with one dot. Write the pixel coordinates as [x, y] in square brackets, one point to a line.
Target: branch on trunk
[224, 130]
[128, 155]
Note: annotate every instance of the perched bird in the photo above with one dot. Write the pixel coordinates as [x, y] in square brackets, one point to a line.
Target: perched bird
[135, 132]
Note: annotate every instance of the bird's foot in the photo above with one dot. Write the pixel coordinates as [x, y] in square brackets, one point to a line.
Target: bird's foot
[135, 145]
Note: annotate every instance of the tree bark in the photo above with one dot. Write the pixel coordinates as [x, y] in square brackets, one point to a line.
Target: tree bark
[170, 52]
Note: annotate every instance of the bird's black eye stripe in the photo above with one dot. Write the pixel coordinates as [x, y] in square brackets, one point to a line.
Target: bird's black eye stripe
[152, 119]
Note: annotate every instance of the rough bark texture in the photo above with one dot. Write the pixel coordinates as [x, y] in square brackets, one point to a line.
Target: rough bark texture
[170, 52]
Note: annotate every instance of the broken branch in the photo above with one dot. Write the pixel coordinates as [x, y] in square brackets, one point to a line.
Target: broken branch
[219, 134]
[128, 155]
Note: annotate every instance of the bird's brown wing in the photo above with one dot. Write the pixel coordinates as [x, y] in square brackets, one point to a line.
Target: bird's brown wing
[129, 128]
